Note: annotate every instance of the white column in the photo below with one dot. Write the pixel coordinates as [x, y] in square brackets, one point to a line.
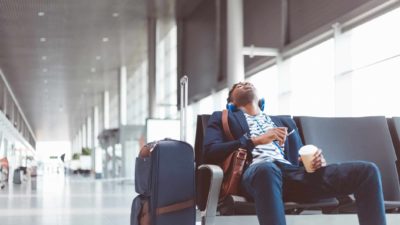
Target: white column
[84, 136]
[80, 141]
[235, 61]
[96, 130]
[97, 161]
[122, 95]
[89, 132]
[106, 109]
[73, 143]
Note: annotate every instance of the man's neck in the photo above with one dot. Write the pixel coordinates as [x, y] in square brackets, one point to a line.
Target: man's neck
[251, 109]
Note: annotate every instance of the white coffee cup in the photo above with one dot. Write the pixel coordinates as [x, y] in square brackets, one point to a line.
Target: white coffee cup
[307, 155]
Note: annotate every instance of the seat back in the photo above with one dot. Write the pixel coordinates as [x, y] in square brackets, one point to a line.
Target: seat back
[202, 179]
[394, 127]
[356, 138]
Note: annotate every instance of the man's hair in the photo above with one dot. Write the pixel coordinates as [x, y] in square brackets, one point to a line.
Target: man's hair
[229, 99]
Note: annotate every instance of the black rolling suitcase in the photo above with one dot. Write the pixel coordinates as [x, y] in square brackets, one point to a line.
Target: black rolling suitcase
[164, 180]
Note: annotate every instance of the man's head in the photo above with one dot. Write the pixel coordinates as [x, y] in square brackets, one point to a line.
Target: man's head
[242, 93]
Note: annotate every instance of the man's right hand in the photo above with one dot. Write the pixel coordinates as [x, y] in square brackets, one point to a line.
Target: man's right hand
[276, 133]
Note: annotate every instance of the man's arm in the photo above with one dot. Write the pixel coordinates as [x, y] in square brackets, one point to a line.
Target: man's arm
[216, 147]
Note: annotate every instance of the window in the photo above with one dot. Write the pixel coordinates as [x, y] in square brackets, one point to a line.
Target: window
[166, 75]
[137, 95]
[312, 81]
[266, 83]
[375, 56]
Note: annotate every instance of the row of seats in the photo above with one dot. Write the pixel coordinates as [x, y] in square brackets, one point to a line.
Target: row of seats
[374, 139]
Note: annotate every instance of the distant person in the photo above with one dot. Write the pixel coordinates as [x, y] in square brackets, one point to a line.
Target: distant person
[4, 168]
[270, 177]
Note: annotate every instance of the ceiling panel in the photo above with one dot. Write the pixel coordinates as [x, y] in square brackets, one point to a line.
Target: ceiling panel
[52, 77]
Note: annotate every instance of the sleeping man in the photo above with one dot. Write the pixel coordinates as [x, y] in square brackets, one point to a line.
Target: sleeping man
[274, 175]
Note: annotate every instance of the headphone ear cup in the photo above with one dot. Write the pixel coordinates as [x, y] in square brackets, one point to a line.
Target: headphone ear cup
[231, 107]
[261, 104]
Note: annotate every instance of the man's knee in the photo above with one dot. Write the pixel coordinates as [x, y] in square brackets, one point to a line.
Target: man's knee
[267, 172]
[370, 168]
[367, 170]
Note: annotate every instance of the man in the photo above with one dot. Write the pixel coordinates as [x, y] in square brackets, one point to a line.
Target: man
[274, 176]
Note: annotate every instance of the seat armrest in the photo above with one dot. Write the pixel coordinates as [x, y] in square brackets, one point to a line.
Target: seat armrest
[210, 212]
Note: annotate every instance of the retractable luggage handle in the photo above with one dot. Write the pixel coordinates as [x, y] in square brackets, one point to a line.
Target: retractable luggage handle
[184, 103]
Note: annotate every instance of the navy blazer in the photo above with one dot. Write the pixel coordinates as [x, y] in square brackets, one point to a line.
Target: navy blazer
[217, 146]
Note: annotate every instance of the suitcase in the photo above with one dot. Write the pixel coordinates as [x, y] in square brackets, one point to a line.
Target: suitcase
[165, 178]
[165, 182]
[17, 176]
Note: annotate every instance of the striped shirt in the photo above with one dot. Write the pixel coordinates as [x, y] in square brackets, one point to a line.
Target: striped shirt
[258, 125]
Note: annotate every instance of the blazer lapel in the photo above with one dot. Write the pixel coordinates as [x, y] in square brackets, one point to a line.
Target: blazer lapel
[241, 119]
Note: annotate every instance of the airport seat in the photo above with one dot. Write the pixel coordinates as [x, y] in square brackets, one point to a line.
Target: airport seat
[208, 183]
[356, 138]
[394, 128]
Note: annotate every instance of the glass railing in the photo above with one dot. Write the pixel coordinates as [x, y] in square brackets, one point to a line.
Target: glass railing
[12, 112]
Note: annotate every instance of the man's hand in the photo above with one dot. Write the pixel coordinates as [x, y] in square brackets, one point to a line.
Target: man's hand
[319, 160]
[276, 133]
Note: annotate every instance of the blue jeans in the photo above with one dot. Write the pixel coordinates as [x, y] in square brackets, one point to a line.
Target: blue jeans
[269, 184]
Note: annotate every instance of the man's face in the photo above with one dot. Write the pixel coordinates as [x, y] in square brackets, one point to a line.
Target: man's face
[243, 94]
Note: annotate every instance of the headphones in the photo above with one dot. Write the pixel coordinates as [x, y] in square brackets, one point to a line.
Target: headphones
[232, 107]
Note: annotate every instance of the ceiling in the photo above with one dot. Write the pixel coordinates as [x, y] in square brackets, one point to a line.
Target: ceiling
[59, 56]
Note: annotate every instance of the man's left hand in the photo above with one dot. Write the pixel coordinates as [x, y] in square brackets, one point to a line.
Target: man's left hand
[319, 160]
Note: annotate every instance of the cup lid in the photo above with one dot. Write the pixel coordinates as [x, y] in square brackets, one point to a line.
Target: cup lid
[308, 149]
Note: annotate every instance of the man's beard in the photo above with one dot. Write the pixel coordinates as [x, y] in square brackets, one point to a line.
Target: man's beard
[245, 98]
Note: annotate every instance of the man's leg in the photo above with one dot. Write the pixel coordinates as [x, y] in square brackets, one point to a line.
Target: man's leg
[263, 182]
[359, 178]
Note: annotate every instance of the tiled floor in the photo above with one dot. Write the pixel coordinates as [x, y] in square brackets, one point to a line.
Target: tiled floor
[60, 200]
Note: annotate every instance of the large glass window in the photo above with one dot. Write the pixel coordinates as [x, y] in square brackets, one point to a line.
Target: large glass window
[138, 96]
[312, 81]
[375, 89]
[375, 40]
[375, 56]
[166, 75]
[267, 86]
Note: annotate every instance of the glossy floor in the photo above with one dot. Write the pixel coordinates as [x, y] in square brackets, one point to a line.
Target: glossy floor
[59, 200]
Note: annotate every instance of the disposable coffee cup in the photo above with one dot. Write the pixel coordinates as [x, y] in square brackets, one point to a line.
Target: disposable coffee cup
[307, 155]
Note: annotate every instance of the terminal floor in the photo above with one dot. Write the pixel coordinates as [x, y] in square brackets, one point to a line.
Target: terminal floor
[60, 200]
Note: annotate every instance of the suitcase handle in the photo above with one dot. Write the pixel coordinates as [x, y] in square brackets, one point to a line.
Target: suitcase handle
[184, 103]
[175, 207]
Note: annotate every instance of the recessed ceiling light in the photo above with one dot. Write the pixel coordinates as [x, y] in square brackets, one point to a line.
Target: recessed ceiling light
[45, 81]
[89, 80]
[44, 57]
[115, 14]
[98, 57]
[105, 39]
[42, 39]
[40, 13]
[93, 70]
[45, 70]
